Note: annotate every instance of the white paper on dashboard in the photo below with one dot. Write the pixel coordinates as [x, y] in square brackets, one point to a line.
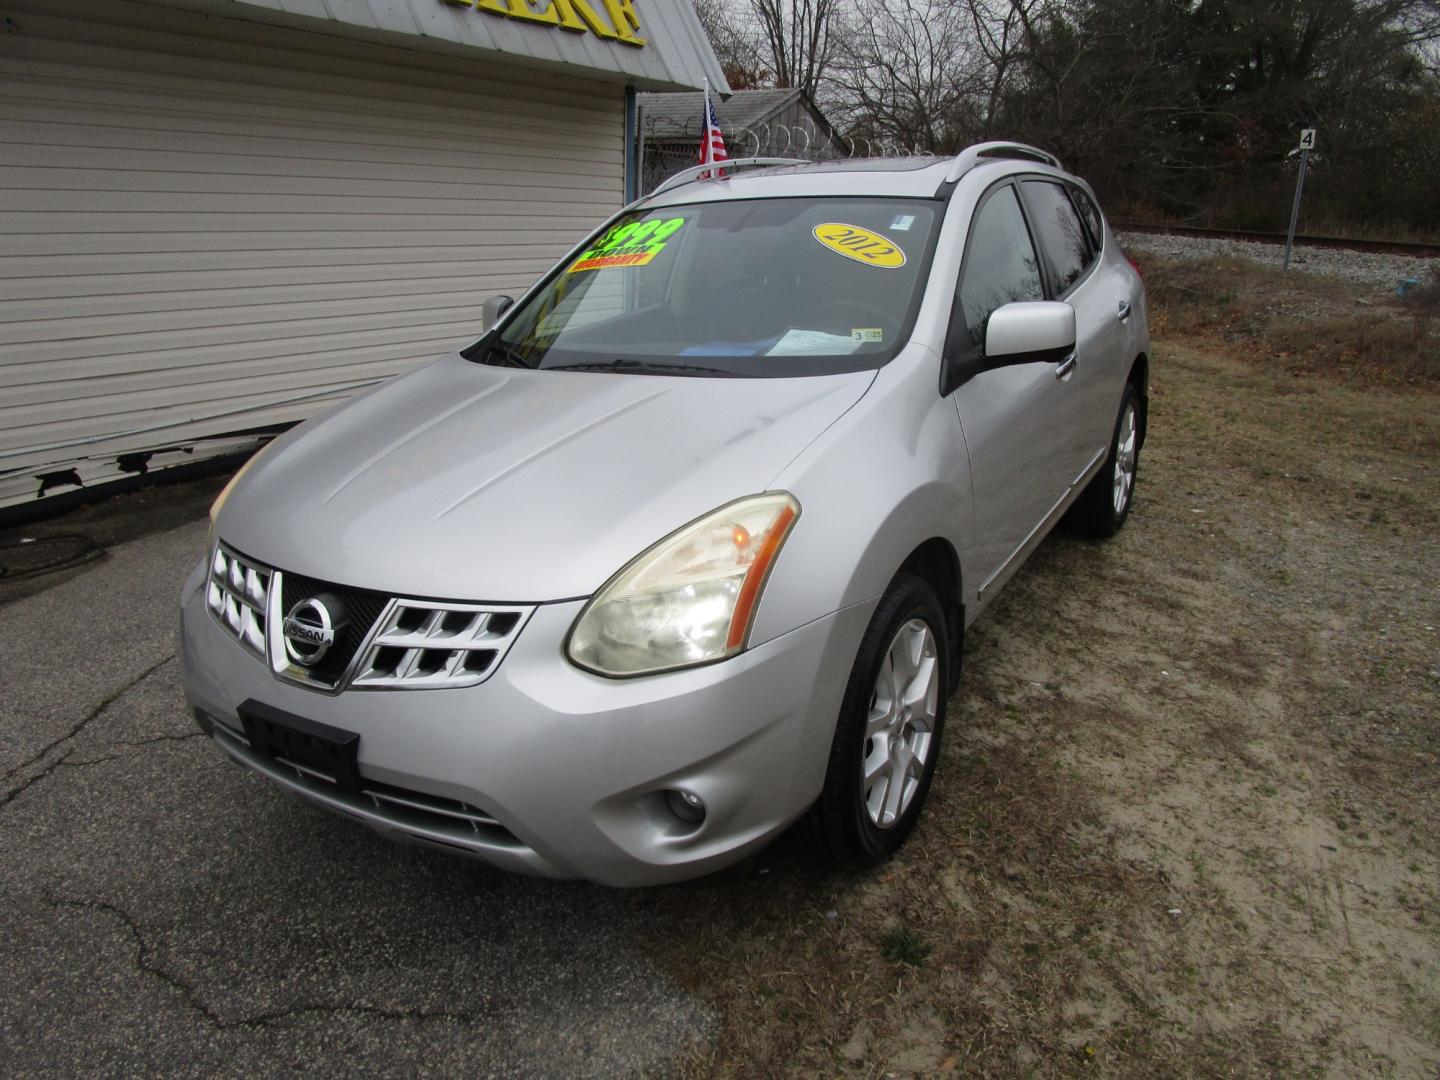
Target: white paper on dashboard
[813, 343]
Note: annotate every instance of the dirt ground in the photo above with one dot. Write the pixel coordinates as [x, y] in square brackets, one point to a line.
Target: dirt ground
[1187, 820]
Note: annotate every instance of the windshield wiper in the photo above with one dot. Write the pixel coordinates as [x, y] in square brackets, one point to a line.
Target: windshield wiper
[643, 367]
[508, 353]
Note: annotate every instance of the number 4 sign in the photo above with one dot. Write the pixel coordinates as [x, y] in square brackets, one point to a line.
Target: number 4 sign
[1307, 143]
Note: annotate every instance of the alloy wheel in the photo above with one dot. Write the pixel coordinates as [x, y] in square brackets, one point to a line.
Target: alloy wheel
[1124, 480]
[899, 731]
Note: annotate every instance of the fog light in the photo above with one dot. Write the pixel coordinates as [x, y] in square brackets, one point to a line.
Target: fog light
[686, 805]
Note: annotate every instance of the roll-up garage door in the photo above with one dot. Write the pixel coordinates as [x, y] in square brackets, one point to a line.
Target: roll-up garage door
[210, 226]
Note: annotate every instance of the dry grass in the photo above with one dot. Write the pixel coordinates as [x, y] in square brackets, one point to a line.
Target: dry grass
[968, 948]
[1346, 229]
[1186, 821]
[1308, 324]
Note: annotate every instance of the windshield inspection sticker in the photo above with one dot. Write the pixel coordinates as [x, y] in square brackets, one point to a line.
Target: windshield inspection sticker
[633, 244]
[902, 223]
[813, 343]
[867, 334]
[862, 245]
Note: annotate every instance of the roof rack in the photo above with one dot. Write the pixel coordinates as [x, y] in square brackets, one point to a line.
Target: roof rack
[686, 175]
[968, 158]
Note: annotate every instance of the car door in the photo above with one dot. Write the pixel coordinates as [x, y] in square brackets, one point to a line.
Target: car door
[1119, 310]
[1014, 418]
[1073, 268]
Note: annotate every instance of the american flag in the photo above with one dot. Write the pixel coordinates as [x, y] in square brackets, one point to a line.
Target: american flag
[712, 143]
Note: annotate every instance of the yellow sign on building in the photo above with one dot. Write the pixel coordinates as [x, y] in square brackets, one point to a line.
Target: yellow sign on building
[619, 23]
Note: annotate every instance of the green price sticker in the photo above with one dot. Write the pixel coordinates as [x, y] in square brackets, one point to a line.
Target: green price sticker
[632, 244]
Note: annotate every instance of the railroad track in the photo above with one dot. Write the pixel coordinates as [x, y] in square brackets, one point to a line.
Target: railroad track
[1384, 247]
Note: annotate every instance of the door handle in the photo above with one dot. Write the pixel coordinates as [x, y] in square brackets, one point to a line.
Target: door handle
[1065, 366]
[1124, 310]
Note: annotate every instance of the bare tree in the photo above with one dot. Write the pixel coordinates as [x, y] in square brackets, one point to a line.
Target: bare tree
[735, 38]
[797, 40]
[909, 73]
[1184, 107]
[996, 27]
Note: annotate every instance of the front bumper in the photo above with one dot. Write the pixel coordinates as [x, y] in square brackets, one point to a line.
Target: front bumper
[570, 767]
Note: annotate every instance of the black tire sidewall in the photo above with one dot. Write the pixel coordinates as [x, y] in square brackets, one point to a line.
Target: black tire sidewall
[1127, 399]
[1093, 514]
[868, 845]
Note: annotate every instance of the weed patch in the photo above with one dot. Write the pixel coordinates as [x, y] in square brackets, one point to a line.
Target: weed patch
[904, 947]
[1308, 324]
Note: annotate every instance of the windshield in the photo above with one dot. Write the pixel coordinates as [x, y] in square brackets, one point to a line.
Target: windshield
[756, 287]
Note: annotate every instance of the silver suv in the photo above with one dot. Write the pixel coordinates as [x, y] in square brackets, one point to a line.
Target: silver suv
[681, 552]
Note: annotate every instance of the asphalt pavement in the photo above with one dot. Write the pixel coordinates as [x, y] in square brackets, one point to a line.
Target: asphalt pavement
[165, 911]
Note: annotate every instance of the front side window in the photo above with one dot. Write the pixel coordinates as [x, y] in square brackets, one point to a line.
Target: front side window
[1000, 267]
[755, 287]
[1062, 236]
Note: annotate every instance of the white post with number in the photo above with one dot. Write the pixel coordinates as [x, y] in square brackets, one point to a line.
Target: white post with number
[1307, 143]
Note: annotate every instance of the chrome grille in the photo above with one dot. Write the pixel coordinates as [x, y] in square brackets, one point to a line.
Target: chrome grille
[362, 608]
[388, 644]
[430, 644]
[398, 801]
[238, 593]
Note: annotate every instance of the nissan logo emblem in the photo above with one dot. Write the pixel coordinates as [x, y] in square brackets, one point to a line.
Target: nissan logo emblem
[310, 630]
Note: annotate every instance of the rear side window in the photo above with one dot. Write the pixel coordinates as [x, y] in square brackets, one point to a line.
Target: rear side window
[1061, 234]
[1091, 213]
[1000, 266]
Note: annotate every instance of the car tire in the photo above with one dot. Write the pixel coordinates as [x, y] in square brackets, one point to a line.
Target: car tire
[1103, 506]
[891, 720]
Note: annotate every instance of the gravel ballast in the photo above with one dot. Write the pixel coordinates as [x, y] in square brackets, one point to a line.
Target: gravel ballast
[1382, 271]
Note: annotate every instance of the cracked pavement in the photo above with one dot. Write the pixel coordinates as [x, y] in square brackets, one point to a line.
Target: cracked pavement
[166, 911]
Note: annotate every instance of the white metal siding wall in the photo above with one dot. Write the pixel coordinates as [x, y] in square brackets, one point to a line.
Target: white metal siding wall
[201, 217]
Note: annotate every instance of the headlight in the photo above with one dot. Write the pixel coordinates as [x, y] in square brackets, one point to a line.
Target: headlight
[691, 598]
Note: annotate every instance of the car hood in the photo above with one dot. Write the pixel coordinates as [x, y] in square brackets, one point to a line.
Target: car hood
[461, 481]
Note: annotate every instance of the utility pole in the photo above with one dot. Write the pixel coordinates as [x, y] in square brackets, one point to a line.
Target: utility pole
[1307, 143]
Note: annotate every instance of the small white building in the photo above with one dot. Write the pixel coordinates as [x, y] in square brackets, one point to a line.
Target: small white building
[754, 123]
[218, 216]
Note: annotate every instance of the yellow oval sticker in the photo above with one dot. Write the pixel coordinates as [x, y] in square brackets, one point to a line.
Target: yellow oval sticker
[859, 244]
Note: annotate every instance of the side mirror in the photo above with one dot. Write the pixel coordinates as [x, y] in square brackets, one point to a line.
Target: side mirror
[1029, 332]
[493, 309]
